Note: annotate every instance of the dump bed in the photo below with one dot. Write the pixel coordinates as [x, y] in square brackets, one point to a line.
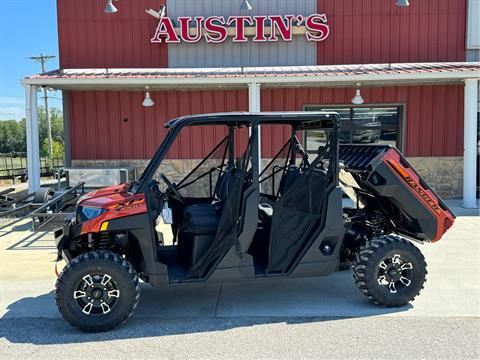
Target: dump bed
[404, 196]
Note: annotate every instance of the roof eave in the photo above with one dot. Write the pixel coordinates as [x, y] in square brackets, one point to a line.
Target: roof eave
[273, 80]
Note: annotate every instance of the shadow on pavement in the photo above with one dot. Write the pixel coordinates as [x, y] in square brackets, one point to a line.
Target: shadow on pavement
[198, 309]
[33, 241]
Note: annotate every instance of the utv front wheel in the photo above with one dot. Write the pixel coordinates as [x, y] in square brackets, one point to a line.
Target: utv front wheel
[97, 291]
[389, 270]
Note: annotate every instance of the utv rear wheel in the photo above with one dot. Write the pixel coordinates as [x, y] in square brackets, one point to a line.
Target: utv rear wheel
[97, 291]
[389, 270]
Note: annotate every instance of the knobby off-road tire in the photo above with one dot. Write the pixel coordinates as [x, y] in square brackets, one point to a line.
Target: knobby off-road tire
[385, 260]
[100, 278]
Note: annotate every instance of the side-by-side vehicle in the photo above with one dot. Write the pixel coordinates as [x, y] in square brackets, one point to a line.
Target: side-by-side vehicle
[237, 217]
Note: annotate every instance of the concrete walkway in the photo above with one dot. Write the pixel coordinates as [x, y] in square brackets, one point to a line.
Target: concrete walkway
[292, 311]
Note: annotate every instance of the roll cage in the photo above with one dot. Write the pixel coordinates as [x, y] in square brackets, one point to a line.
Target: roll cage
[328, 121]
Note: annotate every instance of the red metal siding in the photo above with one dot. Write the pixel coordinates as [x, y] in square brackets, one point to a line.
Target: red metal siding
[434, 114]
[115, 125]
[378, 31]
[362, 31]
[89, 38]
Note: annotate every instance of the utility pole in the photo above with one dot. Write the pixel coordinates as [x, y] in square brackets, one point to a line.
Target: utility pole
[42, 59]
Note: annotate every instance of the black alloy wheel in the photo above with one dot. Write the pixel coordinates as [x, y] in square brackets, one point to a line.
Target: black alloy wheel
[97, 291]
[389, 270]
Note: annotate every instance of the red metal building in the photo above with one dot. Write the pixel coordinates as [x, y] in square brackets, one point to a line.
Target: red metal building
[410, 64]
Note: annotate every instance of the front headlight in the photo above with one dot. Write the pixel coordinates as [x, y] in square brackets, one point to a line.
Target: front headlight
[85, 213]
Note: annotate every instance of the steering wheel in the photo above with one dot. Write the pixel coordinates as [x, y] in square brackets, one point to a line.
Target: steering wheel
[173, 189]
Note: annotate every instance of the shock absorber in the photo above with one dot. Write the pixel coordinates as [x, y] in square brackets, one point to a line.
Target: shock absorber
[104, 243]
[375, 221]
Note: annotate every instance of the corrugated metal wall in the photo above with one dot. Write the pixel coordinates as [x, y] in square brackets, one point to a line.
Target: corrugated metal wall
[89, 38]
[114, 125]
[362, 31]
[378, 31]
[296, 52]
[434, 114]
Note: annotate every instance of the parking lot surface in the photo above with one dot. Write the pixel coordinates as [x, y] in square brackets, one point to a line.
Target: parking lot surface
[305, 318]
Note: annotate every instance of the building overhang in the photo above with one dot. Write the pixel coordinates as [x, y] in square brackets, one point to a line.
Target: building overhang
[288, 76]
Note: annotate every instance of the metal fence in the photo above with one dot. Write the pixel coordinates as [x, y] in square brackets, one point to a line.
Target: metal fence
[13, 166]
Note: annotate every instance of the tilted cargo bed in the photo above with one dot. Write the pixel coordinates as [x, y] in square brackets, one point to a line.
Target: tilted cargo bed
[404, 196]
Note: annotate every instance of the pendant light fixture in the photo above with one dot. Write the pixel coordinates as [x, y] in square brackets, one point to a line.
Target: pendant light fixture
[402, 3]
[110, 8]
[148, 102]
[358, 99]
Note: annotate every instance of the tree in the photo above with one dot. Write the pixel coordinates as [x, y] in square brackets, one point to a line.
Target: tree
[13, 139]
[57, 149]
[12, 136]
[56, 119]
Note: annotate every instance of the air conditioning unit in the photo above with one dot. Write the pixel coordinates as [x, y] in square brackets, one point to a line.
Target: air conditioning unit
[100, 177]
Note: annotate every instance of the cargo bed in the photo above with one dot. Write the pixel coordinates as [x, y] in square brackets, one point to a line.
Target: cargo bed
[386, 178]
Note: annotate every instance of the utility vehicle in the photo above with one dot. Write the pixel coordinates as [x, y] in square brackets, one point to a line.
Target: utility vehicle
[232, 221]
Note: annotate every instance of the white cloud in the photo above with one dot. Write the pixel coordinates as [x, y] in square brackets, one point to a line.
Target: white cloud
[12, 108]
[9, 113]
[12, 100]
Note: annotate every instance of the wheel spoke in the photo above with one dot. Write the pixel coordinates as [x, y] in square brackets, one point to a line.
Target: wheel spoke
[79, 294]
[396, 259]
[406, 266]
[114, 293]
[105, 308]
[382, 280]
[88, 308]
[392, 287]
[405, 281]
[88, 280]
[383, 265]
[106, 278]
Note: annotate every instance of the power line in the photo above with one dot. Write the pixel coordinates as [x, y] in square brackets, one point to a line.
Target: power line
[42, 59]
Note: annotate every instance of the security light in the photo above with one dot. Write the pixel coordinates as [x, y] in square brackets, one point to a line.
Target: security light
[148, 102]
[358, 99]
[246, 5]
[402, 3]
[162, 11]
[110, 8]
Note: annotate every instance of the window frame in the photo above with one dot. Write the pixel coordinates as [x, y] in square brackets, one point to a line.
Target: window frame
[401, 107]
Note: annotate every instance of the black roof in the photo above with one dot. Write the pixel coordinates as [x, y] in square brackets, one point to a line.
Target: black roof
[300, 120]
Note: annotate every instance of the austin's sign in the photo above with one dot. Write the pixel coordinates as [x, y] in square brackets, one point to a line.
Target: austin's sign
[216, 29]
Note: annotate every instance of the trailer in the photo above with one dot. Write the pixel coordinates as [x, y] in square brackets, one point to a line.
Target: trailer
[47, 208]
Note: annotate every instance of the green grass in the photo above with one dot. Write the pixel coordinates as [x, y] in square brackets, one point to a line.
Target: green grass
[12, 163]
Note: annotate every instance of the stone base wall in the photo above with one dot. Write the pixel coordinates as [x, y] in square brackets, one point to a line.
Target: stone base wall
[444, 174]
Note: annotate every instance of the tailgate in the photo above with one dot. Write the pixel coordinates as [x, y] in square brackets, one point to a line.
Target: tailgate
[410, 203]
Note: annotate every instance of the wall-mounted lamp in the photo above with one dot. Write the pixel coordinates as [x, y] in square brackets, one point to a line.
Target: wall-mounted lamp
[246, 6]
[148, 102]
[110, 8]
[402, 3]
[358, 99]
[162, 12]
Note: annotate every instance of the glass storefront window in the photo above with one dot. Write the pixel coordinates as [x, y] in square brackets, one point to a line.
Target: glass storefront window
[361, 125]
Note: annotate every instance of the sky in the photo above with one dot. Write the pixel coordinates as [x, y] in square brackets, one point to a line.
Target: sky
[27, 28]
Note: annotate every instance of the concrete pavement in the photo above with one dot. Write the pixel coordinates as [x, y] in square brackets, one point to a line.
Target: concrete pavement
[310, 318]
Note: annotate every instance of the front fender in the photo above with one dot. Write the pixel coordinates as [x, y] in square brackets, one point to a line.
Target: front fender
[65, 239]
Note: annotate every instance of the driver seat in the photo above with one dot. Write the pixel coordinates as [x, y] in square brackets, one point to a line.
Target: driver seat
[200, 224]
[220, 194]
